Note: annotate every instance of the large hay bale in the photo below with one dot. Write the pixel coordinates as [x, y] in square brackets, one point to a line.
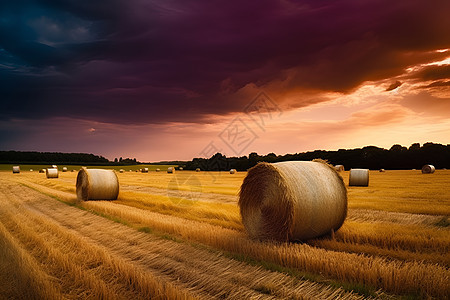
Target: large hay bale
[232, 171]
[16, 169]
[170, 170]
[157, 170]
[293, 200]
[144, 170]
[358, 177]
[197, 170]
[51, 172]
[428, 169]
[97, 184]
[64, 169]
[339, 168]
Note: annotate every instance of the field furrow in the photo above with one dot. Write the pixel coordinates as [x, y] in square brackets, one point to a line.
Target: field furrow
[82, 269]
[193, 269]
[193, 239]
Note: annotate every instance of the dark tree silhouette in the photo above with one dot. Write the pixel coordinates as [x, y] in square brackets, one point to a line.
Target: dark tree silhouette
[397, 157]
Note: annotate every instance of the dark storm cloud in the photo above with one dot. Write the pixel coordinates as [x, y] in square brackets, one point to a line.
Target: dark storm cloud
[393, 86]
[155, 61]
[434, 72]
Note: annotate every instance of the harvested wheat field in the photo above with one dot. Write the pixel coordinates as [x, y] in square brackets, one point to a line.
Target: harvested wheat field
[180, 236]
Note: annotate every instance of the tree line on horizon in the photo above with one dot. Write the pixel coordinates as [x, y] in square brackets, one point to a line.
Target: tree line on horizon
[33, 157]
[397, 157]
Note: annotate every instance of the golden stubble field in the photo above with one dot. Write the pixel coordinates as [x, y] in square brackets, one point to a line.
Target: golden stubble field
[180, 236]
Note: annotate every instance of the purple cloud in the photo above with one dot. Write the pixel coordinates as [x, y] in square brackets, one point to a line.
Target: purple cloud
[133, 62]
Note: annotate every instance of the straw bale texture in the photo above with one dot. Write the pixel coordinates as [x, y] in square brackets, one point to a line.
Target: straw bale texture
[359, 177]
[428, 169]
[293, 200]
[51, 173]
[97, 184]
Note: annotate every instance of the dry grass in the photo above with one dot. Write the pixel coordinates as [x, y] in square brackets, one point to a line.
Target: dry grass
[82, 270]
[94, 257]
[395, 239]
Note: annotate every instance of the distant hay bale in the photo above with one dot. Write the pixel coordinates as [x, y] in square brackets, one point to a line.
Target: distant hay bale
[292, 200]
[157, 170]
[170, 170]
[232, 171]
[144, 170]
[180, 168]
[72, 170]
[197, 170]
[42, 171]
[359, 177]
[31, 170]
[121, 170]
[51, 172]
[131, 170]
[339, 168]
[16, 169]
[54, 166]
[137, 170]
[97, 184]
[428, 169]
[64, 169]
[382, 170]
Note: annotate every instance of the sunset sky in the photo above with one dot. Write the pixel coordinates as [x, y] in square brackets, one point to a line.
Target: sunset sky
[173, 80]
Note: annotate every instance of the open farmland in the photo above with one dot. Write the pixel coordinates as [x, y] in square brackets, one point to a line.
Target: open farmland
[180, 236]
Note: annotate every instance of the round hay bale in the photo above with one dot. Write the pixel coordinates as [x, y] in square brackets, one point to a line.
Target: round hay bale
[232, 171]
[292, 200]
[97, 184]
[51, 172]
[180, 168]
[382, 170]
[144, 170]
[197, 170]
[131, 170]
[54, 166]
[121, 170]
[428, 169]
[157, 170]
[42, 171]
[170, 170]
[31, 170]
[358, 177]
[72, 170]
[64, 169]
[16, 169]
[339, 168]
